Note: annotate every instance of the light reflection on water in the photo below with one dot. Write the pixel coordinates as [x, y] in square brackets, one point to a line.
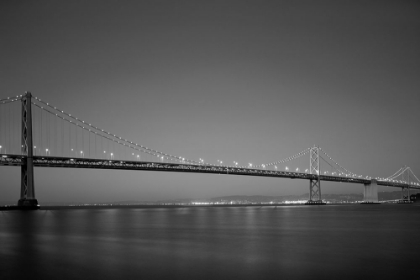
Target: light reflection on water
[293, 242]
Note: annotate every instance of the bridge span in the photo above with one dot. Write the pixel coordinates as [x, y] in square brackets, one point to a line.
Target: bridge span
[91, 163]
[64, 141]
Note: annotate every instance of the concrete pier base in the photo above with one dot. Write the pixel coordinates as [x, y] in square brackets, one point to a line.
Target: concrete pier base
[404, 201]
[315, 202]
[370, 193]
[27, 204]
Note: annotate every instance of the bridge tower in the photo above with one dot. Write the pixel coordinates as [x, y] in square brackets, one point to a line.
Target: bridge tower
[405, 192]
[314, 184]
[27, 191]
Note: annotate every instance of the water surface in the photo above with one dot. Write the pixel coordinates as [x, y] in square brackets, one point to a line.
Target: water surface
[290, 242]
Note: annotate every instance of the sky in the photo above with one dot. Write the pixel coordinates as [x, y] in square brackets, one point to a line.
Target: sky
[245, 81]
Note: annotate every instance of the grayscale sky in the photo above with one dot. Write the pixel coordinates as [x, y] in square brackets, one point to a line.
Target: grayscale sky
[246, 81]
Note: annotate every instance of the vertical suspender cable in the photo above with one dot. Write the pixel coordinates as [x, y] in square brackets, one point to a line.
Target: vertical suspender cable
[1, 126]
[12, 131]
[55, 137]
[94, 146]
[48, 130]
[39, 129]
[62, 137]
[69, 151]
[8, 120]
[42, 134]
[12, 148]
[51, 134]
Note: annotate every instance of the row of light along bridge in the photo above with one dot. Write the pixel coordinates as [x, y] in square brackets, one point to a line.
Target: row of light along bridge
[65, 131]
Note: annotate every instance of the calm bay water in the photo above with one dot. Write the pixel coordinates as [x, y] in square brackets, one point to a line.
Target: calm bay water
[293, 242]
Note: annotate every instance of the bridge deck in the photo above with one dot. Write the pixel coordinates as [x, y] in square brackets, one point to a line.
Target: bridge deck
[65, 162]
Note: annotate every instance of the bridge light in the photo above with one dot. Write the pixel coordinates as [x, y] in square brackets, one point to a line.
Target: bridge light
[287, 168]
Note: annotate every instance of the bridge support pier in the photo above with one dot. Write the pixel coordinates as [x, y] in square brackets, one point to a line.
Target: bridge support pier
[27, 190]
[370, 193]
[405, 196]
[315, 193]
[315, 183]
[405, 191]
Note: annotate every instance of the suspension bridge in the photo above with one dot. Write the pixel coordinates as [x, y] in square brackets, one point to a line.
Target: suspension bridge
[35, 133]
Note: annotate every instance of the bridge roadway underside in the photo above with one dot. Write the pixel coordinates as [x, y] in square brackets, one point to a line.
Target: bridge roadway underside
[65, 162]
